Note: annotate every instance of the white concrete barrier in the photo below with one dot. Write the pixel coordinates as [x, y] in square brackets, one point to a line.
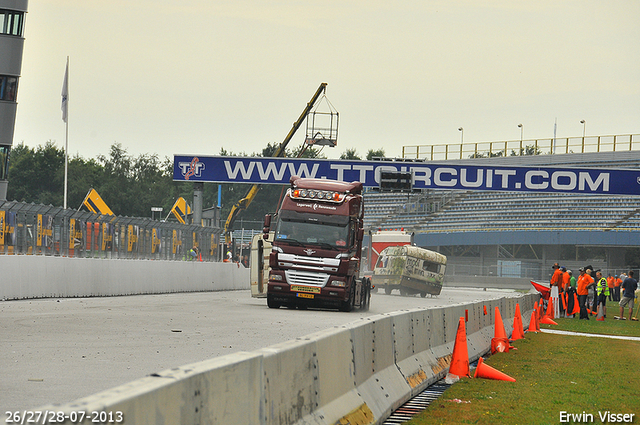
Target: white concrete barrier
[30, 276]
[358, 373]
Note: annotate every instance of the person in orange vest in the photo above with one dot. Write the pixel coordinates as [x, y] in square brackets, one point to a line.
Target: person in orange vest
[592, 298]
[584, 280]
[566, 279]
[616, 289]
[556, 283]
[611, 283]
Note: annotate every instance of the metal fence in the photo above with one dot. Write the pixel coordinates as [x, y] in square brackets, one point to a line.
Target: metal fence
[616, 143]
[31, 229]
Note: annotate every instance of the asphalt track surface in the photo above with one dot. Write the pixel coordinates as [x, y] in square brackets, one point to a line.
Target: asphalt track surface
[61, 349]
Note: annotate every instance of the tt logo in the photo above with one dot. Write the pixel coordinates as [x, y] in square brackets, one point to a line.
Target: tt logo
[309, 252]
[193, 168]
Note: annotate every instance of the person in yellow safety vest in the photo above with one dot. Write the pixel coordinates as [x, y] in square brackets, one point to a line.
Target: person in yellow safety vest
[602, 291]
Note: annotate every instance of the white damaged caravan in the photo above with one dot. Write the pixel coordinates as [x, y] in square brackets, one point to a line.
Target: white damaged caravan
[411, 270]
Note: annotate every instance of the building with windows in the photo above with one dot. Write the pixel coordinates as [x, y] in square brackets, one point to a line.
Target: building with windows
[12, 17]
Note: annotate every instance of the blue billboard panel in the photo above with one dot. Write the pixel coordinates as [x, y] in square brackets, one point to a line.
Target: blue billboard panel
[426, 175]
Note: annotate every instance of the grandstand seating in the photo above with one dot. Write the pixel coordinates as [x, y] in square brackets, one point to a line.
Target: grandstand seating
[495, 211]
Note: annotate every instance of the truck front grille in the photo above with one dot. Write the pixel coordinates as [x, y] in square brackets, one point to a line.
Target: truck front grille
[297, 277]
[323, 265]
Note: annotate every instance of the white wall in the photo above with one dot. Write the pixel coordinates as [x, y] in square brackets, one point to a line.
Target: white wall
[29, 276]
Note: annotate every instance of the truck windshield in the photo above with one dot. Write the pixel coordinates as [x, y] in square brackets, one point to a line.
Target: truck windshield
[303, 228]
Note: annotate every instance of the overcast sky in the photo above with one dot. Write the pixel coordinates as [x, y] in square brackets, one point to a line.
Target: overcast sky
[192, 76]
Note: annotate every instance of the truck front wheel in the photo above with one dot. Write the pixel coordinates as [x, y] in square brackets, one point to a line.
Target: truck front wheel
[348, 304]
[366, 302]
[271, 303]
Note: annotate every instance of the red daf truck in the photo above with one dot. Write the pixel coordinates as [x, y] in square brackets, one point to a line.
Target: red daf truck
[317, 243]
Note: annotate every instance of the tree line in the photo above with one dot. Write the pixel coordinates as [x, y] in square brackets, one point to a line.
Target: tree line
[130, 185]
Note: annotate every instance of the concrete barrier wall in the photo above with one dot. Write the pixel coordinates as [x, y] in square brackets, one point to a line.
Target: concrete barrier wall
[357, 373]
[29, 276]
[487, 282]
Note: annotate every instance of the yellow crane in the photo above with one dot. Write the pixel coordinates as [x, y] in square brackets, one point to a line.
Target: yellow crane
[243, 203]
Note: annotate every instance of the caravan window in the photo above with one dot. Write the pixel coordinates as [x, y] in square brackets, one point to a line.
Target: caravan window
[430, 267]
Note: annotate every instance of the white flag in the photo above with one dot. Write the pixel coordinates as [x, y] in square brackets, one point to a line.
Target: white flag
[65, 93]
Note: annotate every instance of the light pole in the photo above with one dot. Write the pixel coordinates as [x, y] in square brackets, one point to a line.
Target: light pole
[461, 130]
[521, 132]
[584, 127]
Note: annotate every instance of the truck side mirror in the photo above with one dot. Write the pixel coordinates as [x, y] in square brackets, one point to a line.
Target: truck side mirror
[267, 226]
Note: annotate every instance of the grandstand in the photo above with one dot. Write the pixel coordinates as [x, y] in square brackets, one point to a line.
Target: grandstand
[473, 227]
[503, 211]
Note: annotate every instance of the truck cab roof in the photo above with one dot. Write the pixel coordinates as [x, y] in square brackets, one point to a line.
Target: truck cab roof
[323, 184]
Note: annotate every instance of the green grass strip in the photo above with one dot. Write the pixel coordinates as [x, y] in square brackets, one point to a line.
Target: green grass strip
[554, 373]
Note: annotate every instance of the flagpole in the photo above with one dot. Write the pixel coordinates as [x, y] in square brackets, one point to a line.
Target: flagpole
[65, 100]
[66, 160]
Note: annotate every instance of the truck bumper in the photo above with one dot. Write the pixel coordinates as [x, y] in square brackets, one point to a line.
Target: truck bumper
[286, 294]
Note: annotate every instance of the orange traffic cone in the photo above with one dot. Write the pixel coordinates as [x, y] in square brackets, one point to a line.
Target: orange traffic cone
[500, 345]
[540, 310]
[500, 342]
[600, 313]
[499, 326]
[518, 331]
[547, 321]
[548, 317]
[488, 372]
[576, 306]
[460, 359]
[532, 323]
[549, 312]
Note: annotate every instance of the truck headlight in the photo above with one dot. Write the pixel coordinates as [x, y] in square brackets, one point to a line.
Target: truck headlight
[275, 277]
[337, 283]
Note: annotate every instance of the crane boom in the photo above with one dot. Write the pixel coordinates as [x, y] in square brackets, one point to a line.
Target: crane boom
[243, 203]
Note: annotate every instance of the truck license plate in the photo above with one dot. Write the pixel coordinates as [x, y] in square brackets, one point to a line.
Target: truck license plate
[303, 295]
[299, 288]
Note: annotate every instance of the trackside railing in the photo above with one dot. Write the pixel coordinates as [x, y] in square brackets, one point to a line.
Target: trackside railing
[32, 229]
[588, 144]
